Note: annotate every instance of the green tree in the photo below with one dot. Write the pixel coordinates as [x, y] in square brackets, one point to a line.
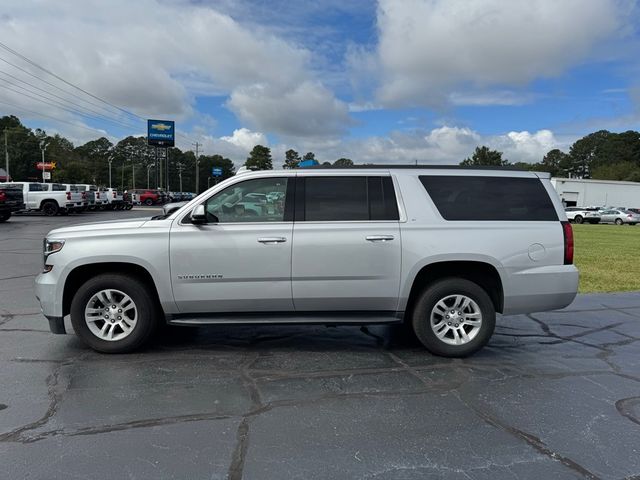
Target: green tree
[585, 152]
[292, 159]
[309, 156]
[343, 162]
[627, 171]
[556, 162]
[259, 158]
[484, 156]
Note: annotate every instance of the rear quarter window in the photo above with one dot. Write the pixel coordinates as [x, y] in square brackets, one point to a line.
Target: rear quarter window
[489, 198]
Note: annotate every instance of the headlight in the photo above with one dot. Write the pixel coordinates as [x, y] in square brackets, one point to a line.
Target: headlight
[50, 247]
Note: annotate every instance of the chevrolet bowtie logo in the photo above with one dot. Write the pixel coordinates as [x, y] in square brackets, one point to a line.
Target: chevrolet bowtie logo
[160, 126]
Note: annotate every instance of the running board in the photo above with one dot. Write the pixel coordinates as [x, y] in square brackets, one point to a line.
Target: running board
[271, 318]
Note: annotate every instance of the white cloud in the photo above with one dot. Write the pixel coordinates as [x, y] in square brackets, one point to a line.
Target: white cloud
[306, 109]
[443, 145]
[153, 56]
[429, 48]
[246, 139]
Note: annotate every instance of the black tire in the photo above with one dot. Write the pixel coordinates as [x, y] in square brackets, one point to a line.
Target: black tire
[129, 206]
[632, 223]
[439, 290]
[50, 208]
[619, 221]
[148, 202]
[143, 299]
[594, 222]
[5, 216]
[578, 219]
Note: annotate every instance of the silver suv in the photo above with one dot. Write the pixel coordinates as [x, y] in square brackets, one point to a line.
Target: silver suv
[442, 248]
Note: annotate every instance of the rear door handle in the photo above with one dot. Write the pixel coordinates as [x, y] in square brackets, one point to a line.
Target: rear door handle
[379, 238]
[271, 240]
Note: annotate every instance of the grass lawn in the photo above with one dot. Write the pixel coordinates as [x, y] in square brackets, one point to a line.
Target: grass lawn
[608, 257]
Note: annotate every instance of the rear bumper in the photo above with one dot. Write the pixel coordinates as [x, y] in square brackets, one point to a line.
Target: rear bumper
[540, 289]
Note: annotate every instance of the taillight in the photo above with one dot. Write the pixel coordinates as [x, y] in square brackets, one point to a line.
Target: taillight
[3, 196]
[84, 195]
[567, 231]
[97, 194]
[114, 194]
[68, 195]
[629, 216]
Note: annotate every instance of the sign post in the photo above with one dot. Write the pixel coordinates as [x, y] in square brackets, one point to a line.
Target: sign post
[216, 172]
[161, 135]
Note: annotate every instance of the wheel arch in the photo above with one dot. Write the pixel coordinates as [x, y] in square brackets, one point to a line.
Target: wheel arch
[484, 274]
[82, 273]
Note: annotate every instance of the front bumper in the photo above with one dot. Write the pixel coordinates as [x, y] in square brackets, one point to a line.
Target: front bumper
[46, 285]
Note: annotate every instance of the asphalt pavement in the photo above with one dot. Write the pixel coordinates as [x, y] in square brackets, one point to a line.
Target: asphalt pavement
[554, 395]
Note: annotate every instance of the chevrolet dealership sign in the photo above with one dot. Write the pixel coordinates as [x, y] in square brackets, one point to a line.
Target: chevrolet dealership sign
[161, 133]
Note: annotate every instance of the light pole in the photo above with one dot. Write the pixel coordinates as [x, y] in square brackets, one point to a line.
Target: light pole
[208, 180]
[6, 155]
[149, 167]
[110, 159]
[197, 169]
[180, 174]
[43, 147]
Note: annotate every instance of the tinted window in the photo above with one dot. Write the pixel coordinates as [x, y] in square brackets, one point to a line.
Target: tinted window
[258, 200]
[36, 187]
[336, 198]
[57, 187]
[489, 198]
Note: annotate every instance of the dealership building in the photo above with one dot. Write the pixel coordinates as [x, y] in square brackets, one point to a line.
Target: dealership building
[589, 193]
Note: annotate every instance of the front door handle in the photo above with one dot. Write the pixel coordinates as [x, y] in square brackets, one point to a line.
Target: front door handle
[271, 240]
[379, 238]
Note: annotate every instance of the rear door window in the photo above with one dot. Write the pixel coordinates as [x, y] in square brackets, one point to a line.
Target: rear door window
[346, 198]
[489, 198]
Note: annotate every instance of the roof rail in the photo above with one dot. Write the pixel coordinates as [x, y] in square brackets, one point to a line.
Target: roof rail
[417, 167]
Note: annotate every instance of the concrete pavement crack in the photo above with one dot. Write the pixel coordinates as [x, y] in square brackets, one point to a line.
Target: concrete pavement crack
[530, 439]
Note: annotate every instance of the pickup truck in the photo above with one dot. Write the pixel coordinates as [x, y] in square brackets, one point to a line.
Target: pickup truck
[113, 199]
[49, 198]
[91, 194]
[11, 200]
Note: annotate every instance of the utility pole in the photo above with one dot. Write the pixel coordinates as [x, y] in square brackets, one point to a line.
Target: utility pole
[6, 155]
[149, 167]
[180, 165]
[197, 168]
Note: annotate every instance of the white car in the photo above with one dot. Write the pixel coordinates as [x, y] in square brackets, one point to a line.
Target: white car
[582, 214]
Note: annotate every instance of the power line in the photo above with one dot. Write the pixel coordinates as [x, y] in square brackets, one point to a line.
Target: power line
[31, 62]
[49, 83]
[51, 117]
[63, 106]
[97, 113]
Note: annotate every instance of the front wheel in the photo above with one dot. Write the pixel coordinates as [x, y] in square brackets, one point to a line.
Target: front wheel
[114, 313]
[454, 317]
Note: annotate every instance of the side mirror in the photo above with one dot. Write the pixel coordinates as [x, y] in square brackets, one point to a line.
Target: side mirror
[199, 215]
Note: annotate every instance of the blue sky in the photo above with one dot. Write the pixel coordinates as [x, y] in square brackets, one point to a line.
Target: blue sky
[393, 80]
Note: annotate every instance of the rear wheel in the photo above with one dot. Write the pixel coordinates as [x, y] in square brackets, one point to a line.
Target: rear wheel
[454, 317]
[578, 219]
[619, 221]
[50, 208]
[148, 202]
[114, 313]
[5, 216]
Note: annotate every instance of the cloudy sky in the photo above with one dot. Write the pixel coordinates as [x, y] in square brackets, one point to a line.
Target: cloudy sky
[392, 81]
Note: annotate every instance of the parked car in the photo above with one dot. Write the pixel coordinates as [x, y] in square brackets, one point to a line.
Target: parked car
[619, 217]
[368, 246]
[49, 198]
[634, 210]
[169, 208]
[582, 214]
[11, 200]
